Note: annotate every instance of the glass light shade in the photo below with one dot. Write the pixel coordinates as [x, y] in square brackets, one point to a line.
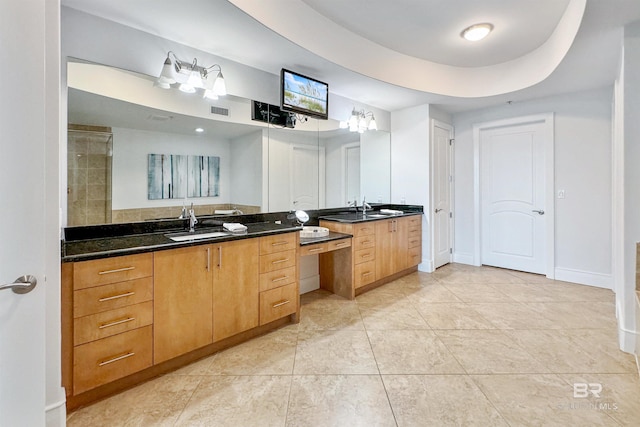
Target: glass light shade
[167, 75]
[219, 87]
[210, 94]
[186, 88]
[477, 32]
[372, 124]
[362, 124]
[353, 121]
[343, 124]
[161, 84]
[194, 80]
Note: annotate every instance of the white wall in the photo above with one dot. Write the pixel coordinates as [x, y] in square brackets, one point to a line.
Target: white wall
[246, 170]
[582, 169]
[131, 149]
[410, 171]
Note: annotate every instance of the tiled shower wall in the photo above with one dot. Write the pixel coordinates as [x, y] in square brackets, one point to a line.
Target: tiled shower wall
[89, 168]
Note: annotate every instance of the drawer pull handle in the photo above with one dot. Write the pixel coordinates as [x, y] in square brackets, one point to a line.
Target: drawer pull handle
[117, 270]
[365, 256]
[342, 243]
[115, 359]
[279, 243]
[117, 322]
[281, 303]
[316, 249]
[280, 261]
[368, 273]
[279, 279]
[366, 242]
[128, 294]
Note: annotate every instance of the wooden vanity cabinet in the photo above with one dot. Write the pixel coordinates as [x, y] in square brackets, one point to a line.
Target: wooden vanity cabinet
[391, 243]
[236, 287]
[183, 301]
[279, 288]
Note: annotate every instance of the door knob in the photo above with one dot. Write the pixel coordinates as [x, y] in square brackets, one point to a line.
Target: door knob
[438, 210]
[21, 285]
[540, 212]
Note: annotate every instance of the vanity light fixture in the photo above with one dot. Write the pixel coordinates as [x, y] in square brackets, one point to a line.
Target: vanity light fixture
[476, 32]
[358, 121]
[191, 77]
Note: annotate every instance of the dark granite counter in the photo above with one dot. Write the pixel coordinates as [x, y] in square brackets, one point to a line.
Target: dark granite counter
[332, 236]
[353, 217]
[117, 245]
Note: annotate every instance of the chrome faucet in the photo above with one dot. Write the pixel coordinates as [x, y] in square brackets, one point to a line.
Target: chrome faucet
[192, 220]
[365, 206]
[354, 204]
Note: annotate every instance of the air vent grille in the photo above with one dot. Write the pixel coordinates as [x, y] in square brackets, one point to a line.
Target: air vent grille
[220, 111]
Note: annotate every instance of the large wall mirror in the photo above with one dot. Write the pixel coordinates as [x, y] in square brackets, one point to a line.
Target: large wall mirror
[117, 119]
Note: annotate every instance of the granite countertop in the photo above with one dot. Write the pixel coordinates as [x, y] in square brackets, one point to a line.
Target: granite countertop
[304, 241]
[105, 247]
[353, 217]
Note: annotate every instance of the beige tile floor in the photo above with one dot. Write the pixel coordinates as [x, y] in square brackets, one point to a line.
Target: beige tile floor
[462, 346]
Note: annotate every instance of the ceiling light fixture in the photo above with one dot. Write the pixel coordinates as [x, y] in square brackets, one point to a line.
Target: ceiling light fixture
[191, 77]
[358, 121]
[476, 32]
[199, 130]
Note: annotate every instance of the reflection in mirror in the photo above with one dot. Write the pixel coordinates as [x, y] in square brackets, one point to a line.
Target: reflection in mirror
[117, 118]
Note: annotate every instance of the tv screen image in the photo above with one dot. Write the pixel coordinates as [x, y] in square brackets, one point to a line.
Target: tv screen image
[304, 95]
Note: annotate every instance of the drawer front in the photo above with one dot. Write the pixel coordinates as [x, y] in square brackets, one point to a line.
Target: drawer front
[277, 243]
[318, 248]
[364, 242]
[414, 242]
[339, 244]
[98, 272]
[277, 303]
[108, 359]
[364, 255]
[415, 231]
[364, 273]
[414, 256]
[107, 323]
[364, 229]
[277, 278]
[108, 297]
[277, 261]
[414, 221]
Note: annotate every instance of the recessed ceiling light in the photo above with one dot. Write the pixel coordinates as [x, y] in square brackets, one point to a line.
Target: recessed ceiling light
[199, 130]
[476, 32]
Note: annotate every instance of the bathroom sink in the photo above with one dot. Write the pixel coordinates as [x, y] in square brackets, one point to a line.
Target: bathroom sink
[375, 215]
[310, 231]
[185, 237]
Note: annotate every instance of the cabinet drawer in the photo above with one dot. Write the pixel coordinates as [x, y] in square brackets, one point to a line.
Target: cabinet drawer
[278, 302]
[318, 248]
[277, 278]
[277, 261]
[98, 272]
[364, 255]
[414, 221]
[414, 256]
[364, 273]
[108, 359]
[105, 324]
[364, 242]
[277, 243]
[339, 244]
[414, 242]
[364, 229]
[415, 231]
[107, 297]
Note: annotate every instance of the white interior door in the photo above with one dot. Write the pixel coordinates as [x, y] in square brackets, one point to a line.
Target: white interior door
[306, 167]
[22, 207]
[512, 181]
[442, 183]
[351, 158]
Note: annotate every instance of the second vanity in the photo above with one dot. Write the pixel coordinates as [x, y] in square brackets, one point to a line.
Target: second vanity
[139, 305]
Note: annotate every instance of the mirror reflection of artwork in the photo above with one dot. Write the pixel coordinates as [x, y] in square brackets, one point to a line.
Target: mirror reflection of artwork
[174, 176]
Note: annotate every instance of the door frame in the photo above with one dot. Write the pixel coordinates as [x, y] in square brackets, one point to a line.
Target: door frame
[437, 123]
[547, 119]
[321, 172]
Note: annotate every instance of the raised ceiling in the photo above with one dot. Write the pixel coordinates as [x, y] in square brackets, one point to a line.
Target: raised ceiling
[420, 31]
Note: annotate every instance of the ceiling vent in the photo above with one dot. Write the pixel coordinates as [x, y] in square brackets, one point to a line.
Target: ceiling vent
[159, 118]
[219, 111]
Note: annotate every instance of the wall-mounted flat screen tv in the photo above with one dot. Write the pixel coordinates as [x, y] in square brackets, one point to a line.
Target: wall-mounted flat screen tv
[304, 95]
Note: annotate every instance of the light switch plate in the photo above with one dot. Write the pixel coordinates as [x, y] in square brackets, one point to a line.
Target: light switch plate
[560, 194]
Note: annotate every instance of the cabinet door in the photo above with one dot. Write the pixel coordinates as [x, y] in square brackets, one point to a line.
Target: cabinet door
[182, 304]
[236, 287]
[385, 248]
[401, 236]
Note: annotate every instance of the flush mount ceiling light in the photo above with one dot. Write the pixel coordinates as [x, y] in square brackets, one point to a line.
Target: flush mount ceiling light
[358, 121]
[476, 32]
[190, 77]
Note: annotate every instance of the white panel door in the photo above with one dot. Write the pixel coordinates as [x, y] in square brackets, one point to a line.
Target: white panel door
[441, 195]
[352, 174]
[306, 177]
[513, 197]
[22, 208]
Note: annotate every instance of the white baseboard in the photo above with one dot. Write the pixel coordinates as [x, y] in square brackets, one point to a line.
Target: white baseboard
[56, 413]
[309, 284]
[627, 340]
[589, 278]
[426, 266]
[463, 258]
